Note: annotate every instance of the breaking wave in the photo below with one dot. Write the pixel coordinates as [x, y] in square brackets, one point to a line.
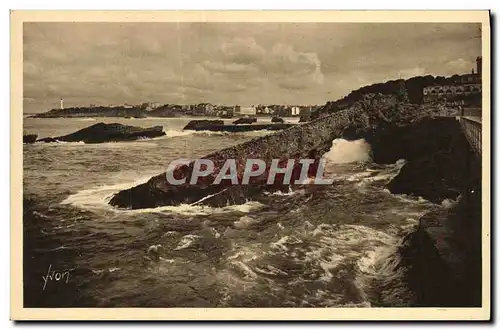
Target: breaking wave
[343, 151]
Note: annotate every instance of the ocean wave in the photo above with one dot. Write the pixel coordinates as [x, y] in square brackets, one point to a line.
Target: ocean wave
[343, 151]
[186, 241]
[99, 197]
[59, 143]
[322, 255]
[142, 142]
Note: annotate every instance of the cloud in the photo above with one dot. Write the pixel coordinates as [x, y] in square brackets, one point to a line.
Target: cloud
[244, 63]
[243, 51]
[460, 65]
[408, 73]
[281, 64]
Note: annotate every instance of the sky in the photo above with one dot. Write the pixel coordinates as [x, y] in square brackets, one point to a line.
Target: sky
[231, 63]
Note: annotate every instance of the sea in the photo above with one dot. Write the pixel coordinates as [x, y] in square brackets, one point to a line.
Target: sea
[314, 246]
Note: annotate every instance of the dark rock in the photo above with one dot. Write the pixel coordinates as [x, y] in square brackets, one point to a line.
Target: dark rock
[277, 120]
[29, 138]
[444, 254]
[304, 118]
[245, 120]
[198, 125]
[98, 111]
[102, 132]
[47, 140]
[436, 154]
[243, 128]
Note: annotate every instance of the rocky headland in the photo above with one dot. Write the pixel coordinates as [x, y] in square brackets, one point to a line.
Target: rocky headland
[295, 142]
[203, 124]
[219, 126]
[98, 111]
[102, 132]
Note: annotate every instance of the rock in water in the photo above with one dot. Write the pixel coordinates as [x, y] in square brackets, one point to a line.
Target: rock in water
[102, 132]
[245, 120]
[277, 120]
[29, 138]
[202, 124]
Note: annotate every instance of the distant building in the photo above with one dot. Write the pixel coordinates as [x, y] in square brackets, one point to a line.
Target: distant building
[295, 111]
[62, 103]
[152, 105]
[464, 89]
[248, 110]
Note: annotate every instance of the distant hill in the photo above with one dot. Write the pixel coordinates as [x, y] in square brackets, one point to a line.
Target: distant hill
[98, 111]
[412, 88]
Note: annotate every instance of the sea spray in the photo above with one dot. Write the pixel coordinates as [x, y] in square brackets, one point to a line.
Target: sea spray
[343, 151]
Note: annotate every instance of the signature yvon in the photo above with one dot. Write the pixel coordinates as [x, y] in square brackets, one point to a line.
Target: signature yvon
[53, 275]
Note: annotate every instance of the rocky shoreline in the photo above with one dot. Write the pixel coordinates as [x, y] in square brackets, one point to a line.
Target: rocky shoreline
[238, 126]
[444, 251]
[362, 119]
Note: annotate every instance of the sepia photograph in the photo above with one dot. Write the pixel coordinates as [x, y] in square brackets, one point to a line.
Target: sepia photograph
[323, 162]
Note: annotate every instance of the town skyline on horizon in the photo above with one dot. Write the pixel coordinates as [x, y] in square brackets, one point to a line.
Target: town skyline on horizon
[232, 63]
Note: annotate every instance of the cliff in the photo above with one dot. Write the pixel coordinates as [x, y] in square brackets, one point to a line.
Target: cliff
[442, 257]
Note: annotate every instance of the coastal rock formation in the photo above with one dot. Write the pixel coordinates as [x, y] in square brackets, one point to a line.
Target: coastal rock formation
[245, 120]
[440, 260]
[295, 142]
[218, 126]
[432, 148]
[102, 132]
[361, 120]
[98, 111]
[202, 124]
[30, 138]
[304, 118]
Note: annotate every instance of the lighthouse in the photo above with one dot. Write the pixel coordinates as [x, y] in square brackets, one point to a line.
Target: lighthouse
[62, 103]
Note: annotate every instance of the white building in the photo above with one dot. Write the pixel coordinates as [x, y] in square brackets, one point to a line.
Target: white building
[295, 111]
[248, 110]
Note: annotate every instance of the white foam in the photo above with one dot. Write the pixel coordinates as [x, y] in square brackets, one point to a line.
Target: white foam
[289, 193]
[244, 222]
[343, 151]
[186, 241]
[98, 197]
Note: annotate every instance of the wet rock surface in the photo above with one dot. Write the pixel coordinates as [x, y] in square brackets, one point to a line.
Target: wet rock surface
[245, 120]
[102, 132]
[30, 138]
[202, 124]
